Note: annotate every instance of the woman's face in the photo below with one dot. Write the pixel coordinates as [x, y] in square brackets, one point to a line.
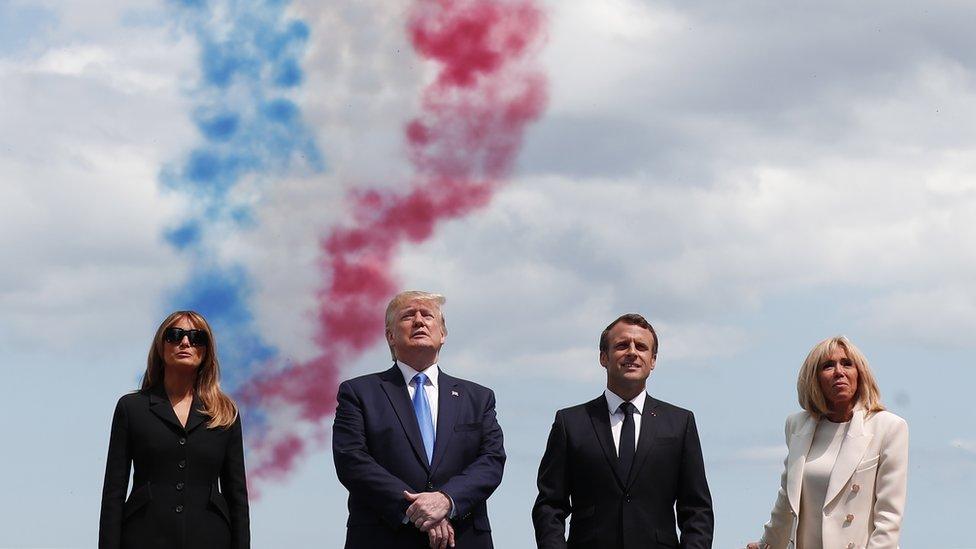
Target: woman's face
[838, 379]
[182, 354]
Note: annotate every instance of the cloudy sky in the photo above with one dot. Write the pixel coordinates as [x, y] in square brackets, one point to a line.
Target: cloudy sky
[751, 177]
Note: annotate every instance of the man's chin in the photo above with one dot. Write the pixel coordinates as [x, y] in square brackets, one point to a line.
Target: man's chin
[636, 376]
[416, 347]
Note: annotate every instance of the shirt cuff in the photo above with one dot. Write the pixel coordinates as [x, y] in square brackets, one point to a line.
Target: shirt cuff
[452, 513]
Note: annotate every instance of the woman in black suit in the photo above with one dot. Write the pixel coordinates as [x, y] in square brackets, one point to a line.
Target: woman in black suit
[183, 435]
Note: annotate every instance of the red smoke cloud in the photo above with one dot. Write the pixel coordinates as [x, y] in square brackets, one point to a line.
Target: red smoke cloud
[462, 146]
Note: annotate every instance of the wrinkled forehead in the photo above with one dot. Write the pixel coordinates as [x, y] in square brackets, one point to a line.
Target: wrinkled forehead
[625, 330]
[418, 304]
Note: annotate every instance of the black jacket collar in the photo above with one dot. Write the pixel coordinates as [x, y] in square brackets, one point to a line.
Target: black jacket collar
[160, 405]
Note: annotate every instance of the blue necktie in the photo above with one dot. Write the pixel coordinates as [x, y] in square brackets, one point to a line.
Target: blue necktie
[422, 410]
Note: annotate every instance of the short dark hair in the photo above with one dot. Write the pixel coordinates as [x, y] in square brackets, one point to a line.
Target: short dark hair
[629, 318]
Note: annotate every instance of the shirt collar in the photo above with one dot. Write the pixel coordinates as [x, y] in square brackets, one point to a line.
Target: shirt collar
[409, 372]
[614, 401]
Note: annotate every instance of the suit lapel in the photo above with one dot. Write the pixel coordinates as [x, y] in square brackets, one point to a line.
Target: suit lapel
[851, 452]
[797, 458]
[448, 399]
[196, 417]
[159, 404]
[396, 391]
[645, 440]
[600, 418]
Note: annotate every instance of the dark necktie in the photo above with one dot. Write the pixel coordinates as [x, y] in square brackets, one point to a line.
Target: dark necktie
[625, 452]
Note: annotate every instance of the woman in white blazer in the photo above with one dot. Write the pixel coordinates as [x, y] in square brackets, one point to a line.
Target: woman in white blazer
[845, 476]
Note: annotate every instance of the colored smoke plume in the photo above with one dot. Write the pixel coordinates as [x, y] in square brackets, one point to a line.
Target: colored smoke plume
[250, 132]
[462, 145]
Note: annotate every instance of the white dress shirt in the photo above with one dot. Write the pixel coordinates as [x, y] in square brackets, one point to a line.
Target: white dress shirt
[617, 416]
[430, 387]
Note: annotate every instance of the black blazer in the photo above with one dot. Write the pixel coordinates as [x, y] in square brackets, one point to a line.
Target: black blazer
[379, 453]
[578, 476]
[175, 500]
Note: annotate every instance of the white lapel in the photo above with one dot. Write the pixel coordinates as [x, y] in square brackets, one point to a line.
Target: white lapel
[851, 452]
[799, 446]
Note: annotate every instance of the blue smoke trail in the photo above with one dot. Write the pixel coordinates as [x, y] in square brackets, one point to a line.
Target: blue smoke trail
[250, 131]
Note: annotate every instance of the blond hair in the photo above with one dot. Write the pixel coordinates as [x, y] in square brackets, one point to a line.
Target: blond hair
[216, 404]
[412, 295]
[808, 389]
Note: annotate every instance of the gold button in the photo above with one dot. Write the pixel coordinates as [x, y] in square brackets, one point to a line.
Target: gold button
[856, 488]
[850, 518]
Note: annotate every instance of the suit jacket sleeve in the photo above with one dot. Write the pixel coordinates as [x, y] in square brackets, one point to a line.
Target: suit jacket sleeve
[478, 480]
[776, 532]
[233, 484]
[694, 502]
[116, 482]
[356, 468]
[890, 488]
[553, 505]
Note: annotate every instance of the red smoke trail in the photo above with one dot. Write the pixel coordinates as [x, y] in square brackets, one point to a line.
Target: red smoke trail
[462, 145]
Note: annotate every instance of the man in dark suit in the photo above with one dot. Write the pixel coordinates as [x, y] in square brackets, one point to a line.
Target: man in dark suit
[623, 464]
[419, 451]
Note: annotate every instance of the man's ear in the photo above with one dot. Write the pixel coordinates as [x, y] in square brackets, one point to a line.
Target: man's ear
[604, 360]
[653, 361]
[389, 337]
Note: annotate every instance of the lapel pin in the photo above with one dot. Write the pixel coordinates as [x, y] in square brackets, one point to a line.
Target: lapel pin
[454, 393]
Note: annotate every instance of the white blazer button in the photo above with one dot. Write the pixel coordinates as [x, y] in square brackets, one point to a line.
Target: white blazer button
[850, 545]
[856, 488]
[850, 518]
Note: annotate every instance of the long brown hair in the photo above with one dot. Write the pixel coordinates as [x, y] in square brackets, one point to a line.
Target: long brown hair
[216, 404]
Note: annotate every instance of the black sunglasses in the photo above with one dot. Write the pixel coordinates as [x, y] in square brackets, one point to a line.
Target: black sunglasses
[197, 338]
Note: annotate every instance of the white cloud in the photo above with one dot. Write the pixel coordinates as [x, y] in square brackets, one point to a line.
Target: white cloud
[86, 128]
[760, 157]
[595, 49]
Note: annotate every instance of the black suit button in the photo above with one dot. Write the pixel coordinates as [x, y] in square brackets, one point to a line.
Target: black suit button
[179, 508]
[182, 464]
[179, 485]
[182, 441]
